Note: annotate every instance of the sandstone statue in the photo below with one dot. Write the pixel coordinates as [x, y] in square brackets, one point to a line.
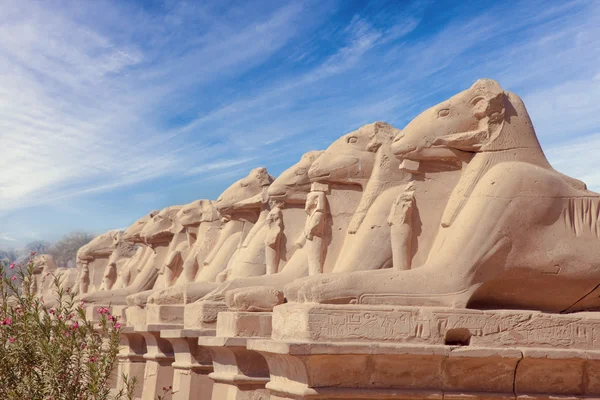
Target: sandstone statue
[137, 274]
[241, 205]
[515, 233]
[351, 174]
[287, 195]
[169, 241]
[95, 257]
[203, 226]
[123, 251]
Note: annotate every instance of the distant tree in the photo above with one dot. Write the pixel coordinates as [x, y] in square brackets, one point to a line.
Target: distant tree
[39, 246]
[65, 249]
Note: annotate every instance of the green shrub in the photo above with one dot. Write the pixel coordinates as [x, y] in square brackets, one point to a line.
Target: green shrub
[50, 351]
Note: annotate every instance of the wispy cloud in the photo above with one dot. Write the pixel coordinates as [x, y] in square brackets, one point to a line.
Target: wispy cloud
[77, 104]
[112, 99]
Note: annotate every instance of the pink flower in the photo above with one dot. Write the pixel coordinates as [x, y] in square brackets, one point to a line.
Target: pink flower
[51, 311]
[102, 310]
[14, 278]
[7, 321]
[82, 304]
[12, 265]
[83, 346]
[93, 359]
[11, 339]
[117, 325]
[75, 326]
[33, 253]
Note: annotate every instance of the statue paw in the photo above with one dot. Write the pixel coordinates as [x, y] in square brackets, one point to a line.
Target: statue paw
[332, 289]
[254, 299]
[172, 295]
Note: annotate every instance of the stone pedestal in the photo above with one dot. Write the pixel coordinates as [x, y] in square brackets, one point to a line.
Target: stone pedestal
[379, 352]
[159, 357]
[239, 373]
[165, 315]
[131, 359]
[202, 314]
[192, 364]
[136, 315]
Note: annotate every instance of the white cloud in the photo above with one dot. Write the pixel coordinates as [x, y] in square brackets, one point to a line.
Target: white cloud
[578, 158]
[77, 103]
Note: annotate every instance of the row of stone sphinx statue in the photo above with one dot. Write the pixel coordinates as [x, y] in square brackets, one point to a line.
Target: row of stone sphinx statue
[461, 209]
[444, 260]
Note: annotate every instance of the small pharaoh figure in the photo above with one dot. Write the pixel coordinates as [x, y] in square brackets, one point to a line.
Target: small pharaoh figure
[84, 283]
[110, 277]
[401, 229]
[316, 208]
[273, 239]
[125, 275]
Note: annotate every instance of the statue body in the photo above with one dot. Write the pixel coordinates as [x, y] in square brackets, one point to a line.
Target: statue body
[514, 233]
[344, 172]
[169, 241]
[201, 215]
[95, 255]
[242, 205]
[138, 270]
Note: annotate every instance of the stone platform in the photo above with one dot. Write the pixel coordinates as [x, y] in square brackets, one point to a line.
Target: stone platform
[380, 352]
[239, 373]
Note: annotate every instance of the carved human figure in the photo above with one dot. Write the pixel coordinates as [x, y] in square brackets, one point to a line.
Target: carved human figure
[314, 230]
[400, 221]
[84, 279]
[515, 233]
[274, 222]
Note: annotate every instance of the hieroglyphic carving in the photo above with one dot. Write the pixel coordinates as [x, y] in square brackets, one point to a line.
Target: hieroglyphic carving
[431, 325]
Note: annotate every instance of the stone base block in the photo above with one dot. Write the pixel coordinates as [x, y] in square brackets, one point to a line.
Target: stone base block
[244, 324]
[370, 352]
[388, 370]
[165, 314]
[159, 357]
[131, 359]
[119, 311]
[239, 373]
[202, 314]
[136, 316]
[436, 325]
[192, 365]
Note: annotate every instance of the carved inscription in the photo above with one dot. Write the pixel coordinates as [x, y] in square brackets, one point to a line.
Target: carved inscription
[430, 325]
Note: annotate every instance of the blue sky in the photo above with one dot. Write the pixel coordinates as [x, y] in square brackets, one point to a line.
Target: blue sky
[109, 109]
